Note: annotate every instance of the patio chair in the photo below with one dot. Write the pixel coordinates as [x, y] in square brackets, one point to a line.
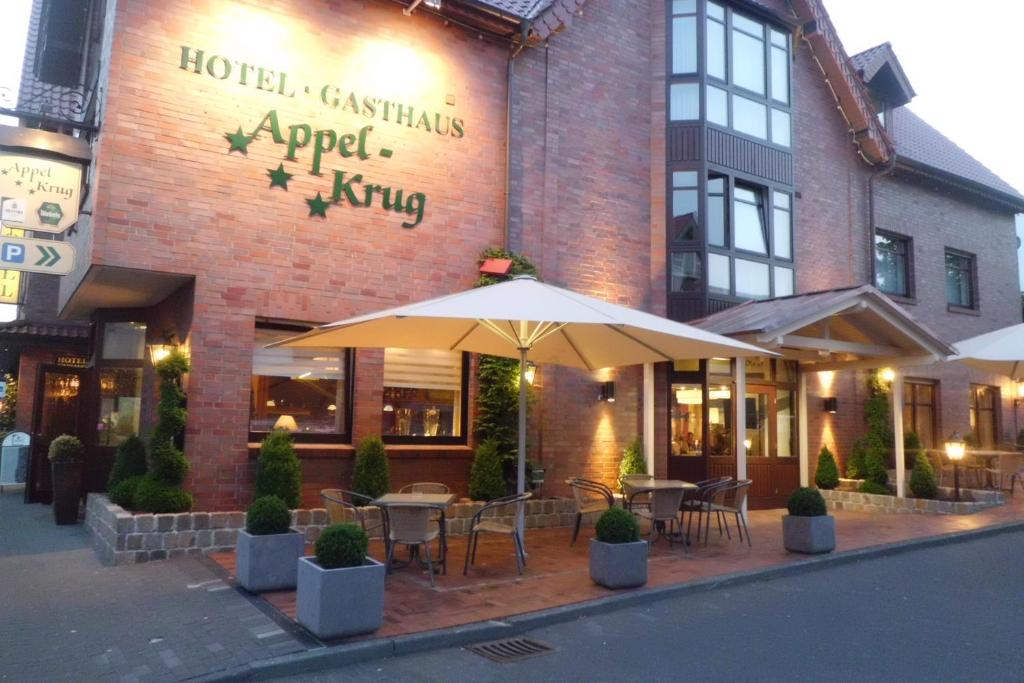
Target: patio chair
[663, 513]
[349, 506]
[699, 502]
[411, 525]
[428, 487]
[728, 500]
[478, 525]
[642, 500]
[590, 496]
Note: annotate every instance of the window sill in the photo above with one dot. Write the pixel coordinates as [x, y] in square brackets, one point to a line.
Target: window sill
[962, 310]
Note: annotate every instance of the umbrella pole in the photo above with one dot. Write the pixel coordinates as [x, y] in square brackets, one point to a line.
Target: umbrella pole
[521, 464]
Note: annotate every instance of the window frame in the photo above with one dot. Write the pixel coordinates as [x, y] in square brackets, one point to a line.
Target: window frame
[972, 275]
[100, 363]
[461, 440]
[996, 410]
[908, 264]
[307, 438]
[910, 401]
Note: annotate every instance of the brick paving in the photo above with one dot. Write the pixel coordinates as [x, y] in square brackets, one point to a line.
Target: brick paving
[557, 573]
[67, 617]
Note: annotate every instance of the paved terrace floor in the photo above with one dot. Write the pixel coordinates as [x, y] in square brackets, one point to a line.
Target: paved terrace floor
[558, 574]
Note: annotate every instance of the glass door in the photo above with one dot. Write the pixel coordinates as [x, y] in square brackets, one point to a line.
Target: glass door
[56, 413]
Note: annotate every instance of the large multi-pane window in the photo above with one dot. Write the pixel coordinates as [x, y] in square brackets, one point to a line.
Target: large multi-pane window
[122, 356]
[304, 391]
[424, 395]
[919, 411]
[893, 273]
[960, 278]
[984, 421]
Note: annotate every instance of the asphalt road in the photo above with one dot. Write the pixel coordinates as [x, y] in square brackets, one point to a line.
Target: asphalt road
[951, 613]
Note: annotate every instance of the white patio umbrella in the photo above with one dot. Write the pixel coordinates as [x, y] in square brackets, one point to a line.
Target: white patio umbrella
[1000, 351]
[523, 317]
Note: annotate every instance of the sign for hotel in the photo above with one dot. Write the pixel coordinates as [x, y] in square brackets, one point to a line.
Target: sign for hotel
[39, 194]
[36, 256]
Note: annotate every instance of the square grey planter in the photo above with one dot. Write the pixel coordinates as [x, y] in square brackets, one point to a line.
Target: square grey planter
[268, 562]
[809, 535]
[618, 565]
[332, 603]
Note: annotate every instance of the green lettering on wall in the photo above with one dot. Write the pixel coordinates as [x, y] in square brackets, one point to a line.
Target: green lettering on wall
[269, 123]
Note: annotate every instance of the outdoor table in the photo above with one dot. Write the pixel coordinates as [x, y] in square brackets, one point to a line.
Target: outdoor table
[633, 487]
[437, 501]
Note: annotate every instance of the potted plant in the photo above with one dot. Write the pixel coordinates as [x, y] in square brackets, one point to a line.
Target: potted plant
[808, 528]
[340, 591]
[618, 558]
[268, 549]
[66, 465]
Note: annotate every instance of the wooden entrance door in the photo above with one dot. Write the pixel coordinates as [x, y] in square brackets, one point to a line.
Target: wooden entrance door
[770, 433]
[57, 412]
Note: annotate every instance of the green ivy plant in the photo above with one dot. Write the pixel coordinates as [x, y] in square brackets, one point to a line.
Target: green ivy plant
[633, 459]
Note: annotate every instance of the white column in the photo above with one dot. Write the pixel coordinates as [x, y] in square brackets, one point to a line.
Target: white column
[802, 428]
[897, 430]
[649, 416]
[739, 402]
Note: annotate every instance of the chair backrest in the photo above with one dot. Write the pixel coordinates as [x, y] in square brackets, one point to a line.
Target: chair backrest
[343, 506]
[411, 523]
[665, 503]
[586, 491]
[516, 499]
[425, 487]
[732, 495]
[712, 481]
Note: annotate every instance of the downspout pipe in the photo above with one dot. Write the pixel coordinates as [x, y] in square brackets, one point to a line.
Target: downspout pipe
[524, 32]
[889, 167]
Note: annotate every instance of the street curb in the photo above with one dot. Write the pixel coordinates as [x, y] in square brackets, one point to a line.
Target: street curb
[353, 652]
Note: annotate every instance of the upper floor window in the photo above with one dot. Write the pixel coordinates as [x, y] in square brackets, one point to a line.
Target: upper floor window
[425, 395]
[892, 264]
[960, 279]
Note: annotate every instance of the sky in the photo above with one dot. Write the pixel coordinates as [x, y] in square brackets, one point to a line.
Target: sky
[964, 64]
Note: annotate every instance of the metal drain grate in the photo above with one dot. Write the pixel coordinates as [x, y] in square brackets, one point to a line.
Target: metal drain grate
[511, 649]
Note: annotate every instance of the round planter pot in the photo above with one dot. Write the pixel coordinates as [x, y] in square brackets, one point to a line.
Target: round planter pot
[67, 491]
[809, 535]
[618, 565]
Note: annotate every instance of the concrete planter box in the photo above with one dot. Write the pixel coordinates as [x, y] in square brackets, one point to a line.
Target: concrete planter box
[809, 535]
[618, 565]
[268, 562]
[332, 603]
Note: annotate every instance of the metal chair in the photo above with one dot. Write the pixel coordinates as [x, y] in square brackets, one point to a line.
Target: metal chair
[349, 506]
[728, 500]
[411, 525]
[590, 496]
[425, 487]
[663, 513]
[478, 525]
[641, 500]
[699, 502]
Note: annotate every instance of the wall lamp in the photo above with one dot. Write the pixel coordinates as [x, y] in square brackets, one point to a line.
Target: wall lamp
[831, 405]
[1020, 393]
[531, 372]
[607, 392]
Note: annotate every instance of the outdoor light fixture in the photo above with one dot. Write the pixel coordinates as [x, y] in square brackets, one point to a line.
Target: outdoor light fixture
[607, 392]
[1020, 391]
[887, 375]
[388, 408]
[955, 450]
[287, 423]
[747, 443]
[832, 405]
[158, 352]
[531, 372]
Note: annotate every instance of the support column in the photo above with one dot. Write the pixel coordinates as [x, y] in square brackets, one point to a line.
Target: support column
[648, 417]
[739, 402]
[802, 428]
[897, 430]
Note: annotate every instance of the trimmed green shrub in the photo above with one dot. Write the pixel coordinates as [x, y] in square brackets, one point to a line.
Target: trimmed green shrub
[371, 477]
[278, 472]
[912, 447]
[123, 492]
[874, 461]
[486, 479]
[806, 502]
[616, 525]
[342, 545]
[633, 459]
[826, 476]
[856, 468]
[922, 478]
[868, 486]
[167, 464]
[268, 515]
[129, 461]
[152, 495]
[66, 448]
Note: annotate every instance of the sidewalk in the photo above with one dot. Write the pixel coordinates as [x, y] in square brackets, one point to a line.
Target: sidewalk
[67, 617]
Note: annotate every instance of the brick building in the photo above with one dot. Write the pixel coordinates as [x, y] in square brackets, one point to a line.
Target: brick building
[260, 167]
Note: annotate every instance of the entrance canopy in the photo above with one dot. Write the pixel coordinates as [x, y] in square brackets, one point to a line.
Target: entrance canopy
[837, 329]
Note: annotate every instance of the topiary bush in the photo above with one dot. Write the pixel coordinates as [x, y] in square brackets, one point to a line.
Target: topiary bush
[912, 447]
[153, 495]
[856, 467]
[129, 462]
[868, 486]
[268, 515]
[486, 478]
[806, 502]
[278, 471]
[633, 459]
[617, 525]
[123, 492]
[66, 448]
[826, 476]
[371, 477]
[874, 461]
[342, 545]
[922, 478]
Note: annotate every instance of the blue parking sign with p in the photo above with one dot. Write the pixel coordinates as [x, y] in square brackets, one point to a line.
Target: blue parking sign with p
[12, 253]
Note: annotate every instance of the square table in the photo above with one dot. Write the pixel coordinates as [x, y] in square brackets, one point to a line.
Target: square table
[634, 487]
[438, 501]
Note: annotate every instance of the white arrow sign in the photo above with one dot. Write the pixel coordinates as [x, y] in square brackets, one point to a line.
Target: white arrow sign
[36, 256]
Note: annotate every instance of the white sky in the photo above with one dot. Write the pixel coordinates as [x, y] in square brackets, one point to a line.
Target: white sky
[965, 64]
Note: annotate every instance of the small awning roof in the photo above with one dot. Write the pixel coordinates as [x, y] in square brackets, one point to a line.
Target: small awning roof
[855, 327]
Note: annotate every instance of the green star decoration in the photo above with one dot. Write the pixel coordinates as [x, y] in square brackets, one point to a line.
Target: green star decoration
[239, 141]
[279, 177]
[318, 206]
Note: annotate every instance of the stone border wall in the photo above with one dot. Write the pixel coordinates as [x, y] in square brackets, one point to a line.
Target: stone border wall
[870, 502]
[120, 537]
